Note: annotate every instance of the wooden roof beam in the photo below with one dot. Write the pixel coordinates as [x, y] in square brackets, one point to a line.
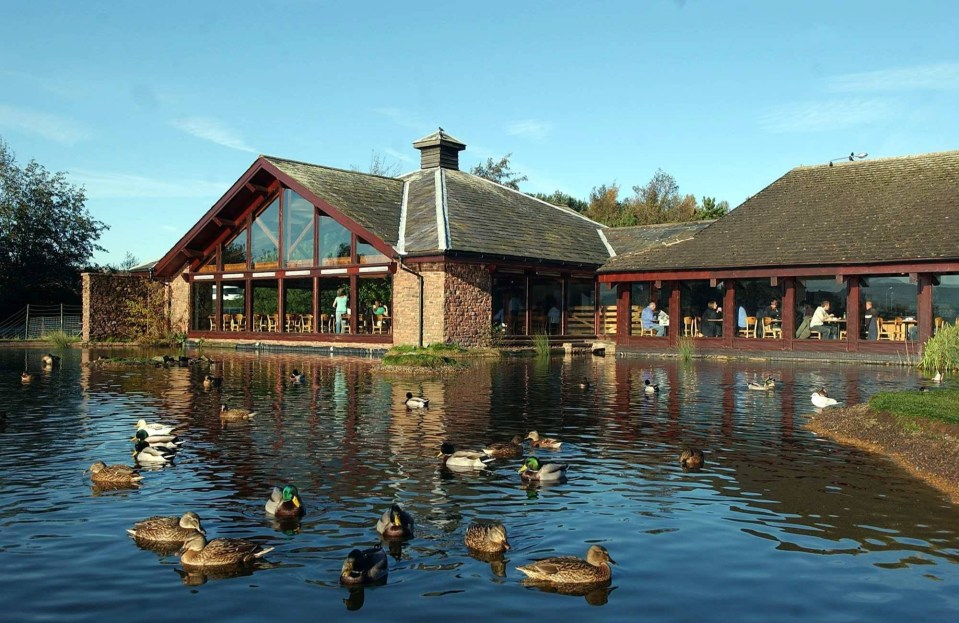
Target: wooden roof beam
[191, 253]
[257, 188]
[223, 222]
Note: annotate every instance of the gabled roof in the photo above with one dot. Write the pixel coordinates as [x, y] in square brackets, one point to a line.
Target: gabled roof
[867, 212]
[641, 237]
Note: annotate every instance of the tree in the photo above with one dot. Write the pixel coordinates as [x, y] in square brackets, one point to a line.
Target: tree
[559, 198]
[659, 201]
[605, 206]
[499, 172]
[711, 209]
[47, 237]
[380, 165]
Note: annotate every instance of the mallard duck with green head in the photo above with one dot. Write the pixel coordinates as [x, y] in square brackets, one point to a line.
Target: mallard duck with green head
[487, 537]
[692, 459]
[286, 503]
[416, 402]
[145, 454]
[395, 523]
[506, 449]
[114, 475]
[168, 442]
[198, 552]
[159, 529]
[366, 566]
[235, 415]
[534, 471]
[571, 570]
[543, 442]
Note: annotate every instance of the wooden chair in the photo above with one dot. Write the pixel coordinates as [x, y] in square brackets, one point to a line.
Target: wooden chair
[939, 323]
[306, 323]
[272, 322]
[237, 324]
[771, 329]
[750, 329]
[212, 323]
[885, 330]
[227, 321]
[325, 326]
[378, 321]
[689, 327]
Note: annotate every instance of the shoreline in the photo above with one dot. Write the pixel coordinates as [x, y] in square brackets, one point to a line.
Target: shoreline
[929, 450]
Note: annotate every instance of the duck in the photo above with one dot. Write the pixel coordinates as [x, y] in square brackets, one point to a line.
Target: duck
[198, 552]
[416, 402]
[296, 376]
[158, 529]
[395, 523]
[27, 378]
[938, 377]
[145, 454]
[821, 400]
[113, 475]
[170, 442]
[571, 570]
[534, 471]
[235, 415]
[691, 459]
[472, 459]
[649, 387]
[584, 383]
[285, 503]
[211, 382]
[154, 428]
[49, 360]
[364, 567]
[766, 385]
[543, 442]
[487, 537]
[506, 449]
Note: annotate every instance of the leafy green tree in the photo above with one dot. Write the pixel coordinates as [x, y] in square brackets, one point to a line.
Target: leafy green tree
[559, 198]
[711, 209]
[605, 206]
[47, 237]
[659, 201]
[499, 172]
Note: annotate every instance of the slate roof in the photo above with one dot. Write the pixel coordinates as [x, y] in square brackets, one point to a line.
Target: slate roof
[642, 237]
[865, 212]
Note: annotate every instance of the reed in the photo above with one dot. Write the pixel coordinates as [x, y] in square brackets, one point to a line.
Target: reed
[686, 348]
[941, 351]
[61, 339]
[541, 345]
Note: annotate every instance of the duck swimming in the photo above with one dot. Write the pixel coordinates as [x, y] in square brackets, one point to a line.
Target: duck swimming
[154, 428]
[414, 402]
[145, 454]
[395, 523]
[198, 552]
[169, 442]
[938, 377]
[821, 400]
[211, 382]
[506, 449]
[649, 388]
[487, 537]
[472, 459]
[543, 442]
[364, 567]
[296, 376]
[572, 570]
[766, 385]
[534, 471]
[159, 529]
[26, 378]
[49, 360]
[285, 503]
[235, 415]
[113, 475]
[691, 459]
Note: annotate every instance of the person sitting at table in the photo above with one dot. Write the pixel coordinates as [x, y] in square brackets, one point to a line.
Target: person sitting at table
[650, 321]
[553, 316]
[379, 309]
[772, 310]
[819, 319]
[869, 321]
[741, 318]
[711, 317]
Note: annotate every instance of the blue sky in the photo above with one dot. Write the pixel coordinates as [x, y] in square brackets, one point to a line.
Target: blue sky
[157, 108]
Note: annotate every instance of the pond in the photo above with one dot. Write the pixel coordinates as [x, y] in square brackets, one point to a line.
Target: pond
[778, 525]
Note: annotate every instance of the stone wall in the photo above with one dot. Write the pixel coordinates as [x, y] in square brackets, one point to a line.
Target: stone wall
[468, 304]
[106, 313]
[179, 296]
[406, 307]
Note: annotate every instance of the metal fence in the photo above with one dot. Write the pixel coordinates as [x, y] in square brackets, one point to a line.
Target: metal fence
[36, 321]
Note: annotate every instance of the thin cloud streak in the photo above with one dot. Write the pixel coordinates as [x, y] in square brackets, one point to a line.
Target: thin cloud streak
[938, 77]
[50, 127]
[402, 118]
[530, 128]
[212, 130]
[110, 185]
[821, 116]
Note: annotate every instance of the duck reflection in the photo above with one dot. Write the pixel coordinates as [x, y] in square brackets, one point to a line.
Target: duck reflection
[196, 576]
[497, 561]
[595, 594]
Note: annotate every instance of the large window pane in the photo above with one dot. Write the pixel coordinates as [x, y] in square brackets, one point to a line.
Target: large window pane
[334, 242]
[657, 321]
[509, 303]
[264, 241]
[297, 230]
[813, 293]
[234, 252]
[234, 307]
[893, 300]
[945, 301]
[580, 307]
[203, 317]
[329, 290]
[367, 254]
[607, 309]
[266, 299]
[298, 294]
[376, 301]
[701, 307]
[546, 300]
[755, 298]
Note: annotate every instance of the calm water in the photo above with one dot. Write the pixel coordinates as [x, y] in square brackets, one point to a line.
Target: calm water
[779, 525]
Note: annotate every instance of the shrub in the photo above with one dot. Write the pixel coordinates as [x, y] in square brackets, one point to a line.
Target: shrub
[941, 351]
[686, 347]
[61, 339]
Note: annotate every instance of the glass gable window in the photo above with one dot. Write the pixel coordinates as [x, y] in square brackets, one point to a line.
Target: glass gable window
[297, 230]
[335, 242]
[367, 254]
[234, 252]
[264, 240]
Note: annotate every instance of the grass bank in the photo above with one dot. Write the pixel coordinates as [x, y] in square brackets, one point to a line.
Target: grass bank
[938, 404]
[432, 357]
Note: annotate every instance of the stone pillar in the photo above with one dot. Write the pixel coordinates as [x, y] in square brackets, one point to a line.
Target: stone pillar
[468, 304]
